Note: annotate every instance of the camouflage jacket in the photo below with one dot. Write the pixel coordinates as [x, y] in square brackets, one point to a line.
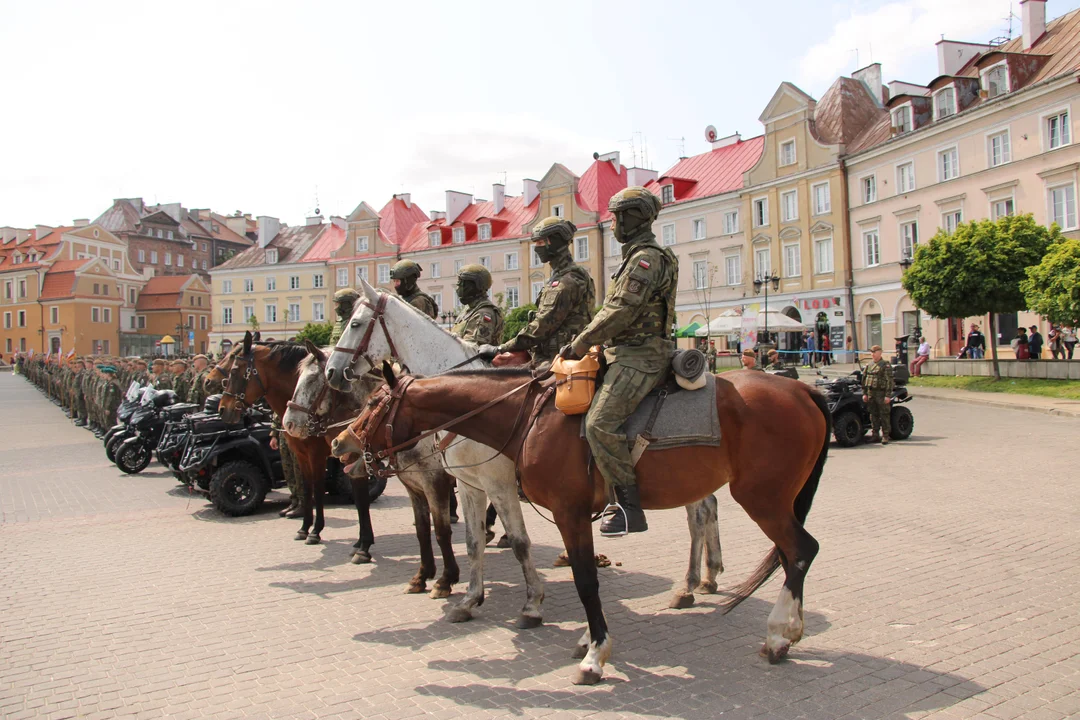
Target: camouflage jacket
[197, 394]
[639, 308]
[480, 322]
[422, 302]
[164, 381]
[878, 376]
[339, 330]
[182, 386]
[563, 310]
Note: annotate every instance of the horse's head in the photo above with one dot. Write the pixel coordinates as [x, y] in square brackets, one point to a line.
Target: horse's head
[311, 400]
[215, 379]
[243, 386]
[382, 426]
[365, 343]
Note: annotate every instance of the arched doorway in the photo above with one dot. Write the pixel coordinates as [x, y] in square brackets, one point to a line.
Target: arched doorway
[54, 344]
[791, 342]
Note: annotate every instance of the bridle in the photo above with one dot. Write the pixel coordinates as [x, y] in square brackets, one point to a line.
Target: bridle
[383, 463]
[361, 350]
[316, 424]
[250, 372]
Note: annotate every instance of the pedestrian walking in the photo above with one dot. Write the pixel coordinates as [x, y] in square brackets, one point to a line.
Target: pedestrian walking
[976, 343]
[710, 356]
[1069, 339]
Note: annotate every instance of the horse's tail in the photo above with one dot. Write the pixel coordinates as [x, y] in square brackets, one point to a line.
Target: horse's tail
[803, 501]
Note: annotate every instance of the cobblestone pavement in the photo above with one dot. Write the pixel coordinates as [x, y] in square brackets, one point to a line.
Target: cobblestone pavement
[945, 587]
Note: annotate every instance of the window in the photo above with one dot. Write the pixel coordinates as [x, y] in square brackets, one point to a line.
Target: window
[761, 212]
[512, 296]
[909, 238]
[383, 273]
[823, 255]
[1001, 208]
[318, 312]
[116, 264]
[787, 153]
[9, 346]
[22, 318]
[104, 289]
[485, 231]
[271, 313]
[226, 287]
[95, 315]
[142, 255]
[871, 248]
[951, 219]
[204, 247]
[948, 164]
[698, 227]
[22, 288]
[361, 243]
[905, 177]
[249, 312]
[97, 289]
[249, 285]
[792, 260]
[733, 269]
[1057, 130]
[731, 222]
[557, 211]
[159, 233]
[132, 297]
[485, 260]
[106, 315]
[536, 288]
[945, 103]
[459, 235]
[294, 282]
[667, 233]
[7, 290]
[459, 263]
[54, 315]
[581, 248]
[435, 270]
[1063, 206]
[437, 297]
[7, 320]
[996, 81]
[534, 259]
[153, 257]
[179, 260]
[667, 194]
[169, 234]
[294, 312]
[362, 273]
[822, 199]
[271, 283]
[203, 264]
[901, 119]
[510, 261]
[142, 320]
[434, 238]
[998, 150]
[168, 259]
[271, 256]
[762, 262]
[789, 205]
[701, 274]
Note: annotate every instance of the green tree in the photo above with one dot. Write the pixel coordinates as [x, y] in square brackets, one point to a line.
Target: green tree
[977, 270]
[515, 320]
[254, 323]
[318, 333]
[1052, 287]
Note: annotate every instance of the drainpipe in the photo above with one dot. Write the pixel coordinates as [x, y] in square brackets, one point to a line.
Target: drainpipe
[849, 274]
[41, 306]
[600, 256]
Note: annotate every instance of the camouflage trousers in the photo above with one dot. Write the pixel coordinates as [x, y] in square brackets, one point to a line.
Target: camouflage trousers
[619, 395]
[291, 468]
[879, 412]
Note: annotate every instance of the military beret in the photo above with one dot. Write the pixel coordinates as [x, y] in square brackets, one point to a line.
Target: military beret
[108, 369]
[178, 362]
[200, 357]
[875, 348]
[749, 353]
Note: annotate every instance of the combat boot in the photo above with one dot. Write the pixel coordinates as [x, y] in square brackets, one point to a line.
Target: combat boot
[293, 504]
[628, 516]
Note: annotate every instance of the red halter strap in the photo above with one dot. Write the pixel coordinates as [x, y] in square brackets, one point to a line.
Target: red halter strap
[379, 314]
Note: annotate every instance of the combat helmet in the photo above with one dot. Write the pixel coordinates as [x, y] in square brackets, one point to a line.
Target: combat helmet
[346, 296]
[635, 209]
[478, 275]
[557, 232]
[405, 269]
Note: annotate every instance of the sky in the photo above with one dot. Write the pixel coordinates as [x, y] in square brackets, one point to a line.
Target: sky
[279, 108]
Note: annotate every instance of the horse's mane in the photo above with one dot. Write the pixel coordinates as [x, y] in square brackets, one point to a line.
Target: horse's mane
[288, 354]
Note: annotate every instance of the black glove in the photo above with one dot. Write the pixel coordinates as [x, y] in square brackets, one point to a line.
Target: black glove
[487, 352]
[567, 352]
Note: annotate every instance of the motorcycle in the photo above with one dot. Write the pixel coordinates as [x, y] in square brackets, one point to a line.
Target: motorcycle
[122, 428]
[148, 422]
[851, 416]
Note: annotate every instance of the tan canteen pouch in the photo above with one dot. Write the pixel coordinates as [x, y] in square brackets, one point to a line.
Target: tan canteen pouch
[575, 382]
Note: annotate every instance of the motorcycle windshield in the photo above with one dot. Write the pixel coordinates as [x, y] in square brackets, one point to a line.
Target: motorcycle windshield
[132, 391]
[148, 396]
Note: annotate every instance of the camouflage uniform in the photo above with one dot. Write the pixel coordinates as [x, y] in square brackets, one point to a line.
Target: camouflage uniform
[345, 304]
[710, 357]
[111, 396]
[164, 381]
[878, 384]
[566, 301]
[406, 273]
[481, 322]
[182, 384]
[289, 466]
[198, 387]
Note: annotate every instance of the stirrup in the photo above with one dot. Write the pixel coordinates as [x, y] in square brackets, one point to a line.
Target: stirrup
[615, 506]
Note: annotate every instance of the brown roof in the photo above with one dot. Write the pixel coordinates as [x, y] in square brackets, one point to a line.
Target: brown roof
[58, 285]
[845, 111]
[165, 284]
[291, 244]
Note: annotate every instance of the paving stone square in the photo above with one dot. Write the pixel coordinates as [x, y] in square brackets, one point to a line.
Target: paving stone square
[945, 588]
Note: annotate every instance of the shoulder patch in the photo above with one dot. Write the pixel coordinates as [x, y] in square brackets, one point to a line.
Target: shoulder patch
[487, 318]
[644, 264]
[554, 283]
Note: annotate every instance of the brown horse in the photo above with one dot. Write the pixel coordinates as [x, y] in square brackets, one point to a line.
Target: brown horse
[775, 439]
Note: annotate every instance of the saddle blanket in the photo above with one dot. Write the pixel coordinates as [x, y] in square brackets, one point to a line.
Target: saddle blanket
[687, 417]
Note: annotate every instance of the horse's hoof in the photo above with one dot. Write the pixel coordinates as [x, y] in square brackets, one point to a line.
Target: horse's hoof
[586, 677]
[361, 558]
[681, 602]
[489, 535]
[301, 536]
[528, 622]
[580, 651]
[313, 540]
[439, 592]
[708, 588]
[416, 588]
[776, 654]
[458, 615]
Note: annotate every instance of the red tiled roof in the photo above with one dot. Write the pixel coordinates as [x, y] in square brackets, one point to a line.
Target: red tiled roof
[845, 111]
[598, 184]
[58, 285]
[165, 284]
[291, 243]
[506, 225]
[331, 239]
[47, 244]
[396, 219]
[715, 172]
[61, 266]
[169, 301]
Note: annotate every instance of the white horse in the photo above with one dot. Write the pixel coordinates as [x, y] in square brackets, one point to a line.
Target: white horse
[426, 348]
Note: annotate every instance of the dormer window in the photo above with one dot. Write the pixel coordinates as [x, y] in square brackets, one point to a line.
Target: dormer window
[459, 235]
[485, 231]
[787, 153]
[667, 194]
[996, 81]
[945, 103]
[271, 256]
[901, 119]
[434, 238]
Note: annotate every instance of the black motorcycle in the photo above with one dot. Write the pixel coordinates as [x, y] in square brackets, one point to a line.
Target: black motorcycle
[122, 430]
[148, 421]
[851, 416]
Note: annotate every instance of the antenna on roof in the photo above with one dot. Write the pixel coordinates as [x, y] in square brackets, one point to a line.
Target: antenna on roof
[681, 144]
[1010, 19]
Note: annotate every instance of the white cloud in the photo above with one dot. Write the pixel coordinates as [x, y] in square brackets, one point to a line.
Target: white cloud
[899, 35]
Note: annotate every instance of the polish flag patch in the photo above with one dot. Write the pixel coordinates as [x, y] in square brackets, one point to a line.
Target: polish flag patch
[644, 264]
[487, 318]
[554, 283]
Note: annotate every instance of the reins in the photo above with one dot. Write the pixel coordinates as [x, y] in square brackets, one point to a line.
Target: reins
[379, 314]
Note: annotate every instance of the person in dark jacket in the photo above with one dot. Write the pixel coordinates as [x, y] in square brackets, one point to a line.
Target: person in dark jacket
[1035, 343]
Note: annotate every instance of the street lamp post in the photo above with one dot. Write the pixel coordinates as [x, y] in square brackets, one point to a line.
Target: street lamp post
[182, 330]
[905, 264]
[447, 317]
[764, 282]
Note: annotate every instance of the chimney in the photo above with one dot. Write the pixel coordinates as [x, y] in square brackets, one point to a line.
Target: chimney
[870, 77]
[137, 203]
[80, 222]
[7, 234]
[21, 236]
[238, 224]
[1033, 16]
[613, 158]
[338, 221]
[639, 177]
[456, 202]
[268, 229]
[437, 215]
[405, 198]
[498, 196]
[725, 141]
[531, 189]
[314, 220]
[42, 231]
[953, 55]
[173, 210]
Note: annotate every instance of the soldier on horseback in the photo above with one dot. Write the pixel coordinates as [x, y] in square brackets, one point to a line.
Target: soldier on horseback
[405, 273]
[344, 305]
[480, 321]
[635, 325]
